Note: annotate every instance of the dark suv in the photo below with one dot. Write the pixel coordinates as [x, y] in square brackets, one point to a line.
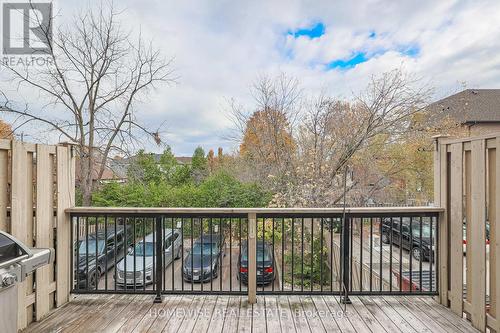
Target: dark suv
[401, 235]
[265, 263]
[107, 245]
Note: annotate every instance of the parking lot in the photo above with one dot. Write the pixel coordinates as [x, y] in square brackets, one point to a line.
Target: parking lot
[173, 279]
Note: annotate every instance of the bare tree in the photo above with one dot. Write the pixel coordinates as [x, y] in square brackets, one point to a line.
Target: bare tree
[332, 132]
[266, 129]
[96, 75]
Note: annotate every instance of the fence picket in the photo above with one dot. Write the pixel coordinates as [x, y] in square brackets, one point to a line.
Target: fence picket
[494, 213]
[19, 228]
[44, 217]
[478, 234]
[65, 198]
[456, 233]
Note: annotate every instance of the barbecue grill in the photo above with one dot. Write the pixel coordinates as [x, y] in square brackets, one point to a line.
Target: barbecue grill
[16, 262]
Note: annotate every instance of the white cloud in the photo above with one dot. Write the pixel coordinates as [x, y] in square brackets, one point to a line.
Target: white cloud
[221, 46]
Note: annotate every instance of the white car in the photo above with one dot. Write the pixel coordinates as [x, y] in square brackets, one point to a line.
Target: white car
[141, 274]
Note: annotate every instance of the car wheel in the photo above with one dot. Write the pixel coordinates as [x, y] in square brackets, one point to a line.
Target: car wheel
[416, 253]
[92, 280]
[385, 238]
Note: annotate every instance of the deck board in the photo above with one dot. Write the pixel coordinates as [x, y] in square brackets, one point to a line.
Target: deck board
[214, 314]
[217, 319]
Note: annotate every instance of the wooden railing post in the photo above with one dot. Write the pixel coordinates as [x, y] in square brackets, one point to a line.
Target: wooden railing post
[440, 200]
[252, 258]
[65, 200]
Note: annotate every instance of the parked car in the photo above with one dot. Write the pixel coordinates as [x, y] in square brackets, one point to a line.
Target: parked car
[265, 263]
[419, 251]
[464, 242]
[204, 259]
[145, 256]
[95, 264]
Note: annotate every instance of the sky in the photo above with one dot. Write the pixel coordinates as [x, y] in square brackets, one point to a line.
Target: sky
[221, 47]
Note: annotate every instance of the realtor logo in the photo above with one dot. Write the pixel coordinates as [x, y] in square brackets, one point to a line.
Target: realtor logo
[27, 28]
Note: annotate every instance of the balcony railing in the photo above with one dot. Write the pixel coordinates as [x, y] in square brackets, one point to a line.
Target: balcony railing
[359, 251]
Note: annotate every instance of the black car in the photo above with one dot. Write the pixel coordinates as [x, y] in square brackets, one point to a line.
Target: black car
[421, 249]
[265, 263]
[203, 261]
[107, 245]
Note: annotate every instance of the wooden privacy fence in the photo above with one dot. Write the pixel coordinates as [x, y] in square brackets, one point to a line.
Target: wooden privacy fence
[467, 184]
[37, 184]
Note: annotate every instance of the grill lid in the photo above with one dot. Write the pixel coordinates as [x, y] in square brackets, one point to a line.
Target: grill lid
[11, 251]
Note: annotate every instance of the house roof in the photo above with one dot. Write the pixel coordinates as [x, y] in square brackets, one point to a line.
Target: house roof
[468, 106]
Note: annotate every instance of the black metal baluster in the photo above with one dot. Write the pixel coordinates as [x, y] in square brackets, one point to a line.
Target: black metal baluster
[302, 256]
[182, 253]
[381, 278]
[283, 254]
[96, 255]
[411, 254]
[263, 249]
[321, 256]
[312, 255]
[230, 254]
[172, 250]
[106, 252]
[361, 249]
[421, 256]
[77, 253]
[248, 249]
[158, 245]
[87, 252]
[390, 255]
[115, 252]
[202, 274]
[135, 259]
[351, 233]
[293, 245]
[437, 251]
[211, 257]
[239, 244]
[125, 250]
[221, 232]
[144, 254]
[431, 255]
[192, 272]
[154, 228]
[401, 254]
[346, 247]
[331, 254]
[371, 254]
[274, 268]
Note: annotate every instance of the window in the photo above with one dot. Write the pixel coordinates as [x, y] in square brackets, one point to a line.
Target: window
[144, 249]
[168, 242]
[82, 248]
[206, 249]
[110, 244]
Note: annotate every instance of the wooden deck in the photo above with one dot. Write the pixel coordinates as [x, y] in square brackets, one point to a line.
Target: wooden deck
[186, 313]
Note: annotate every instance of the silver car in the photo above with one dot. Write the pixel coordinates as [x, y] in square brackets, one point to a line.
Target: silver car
[142, 273]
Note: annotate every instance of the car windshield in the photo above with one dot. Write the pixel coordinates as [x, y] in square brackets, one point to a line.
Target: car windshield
[261, 255]
[141, 250]
[206, 247]
[426, 231]
[82, 248]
